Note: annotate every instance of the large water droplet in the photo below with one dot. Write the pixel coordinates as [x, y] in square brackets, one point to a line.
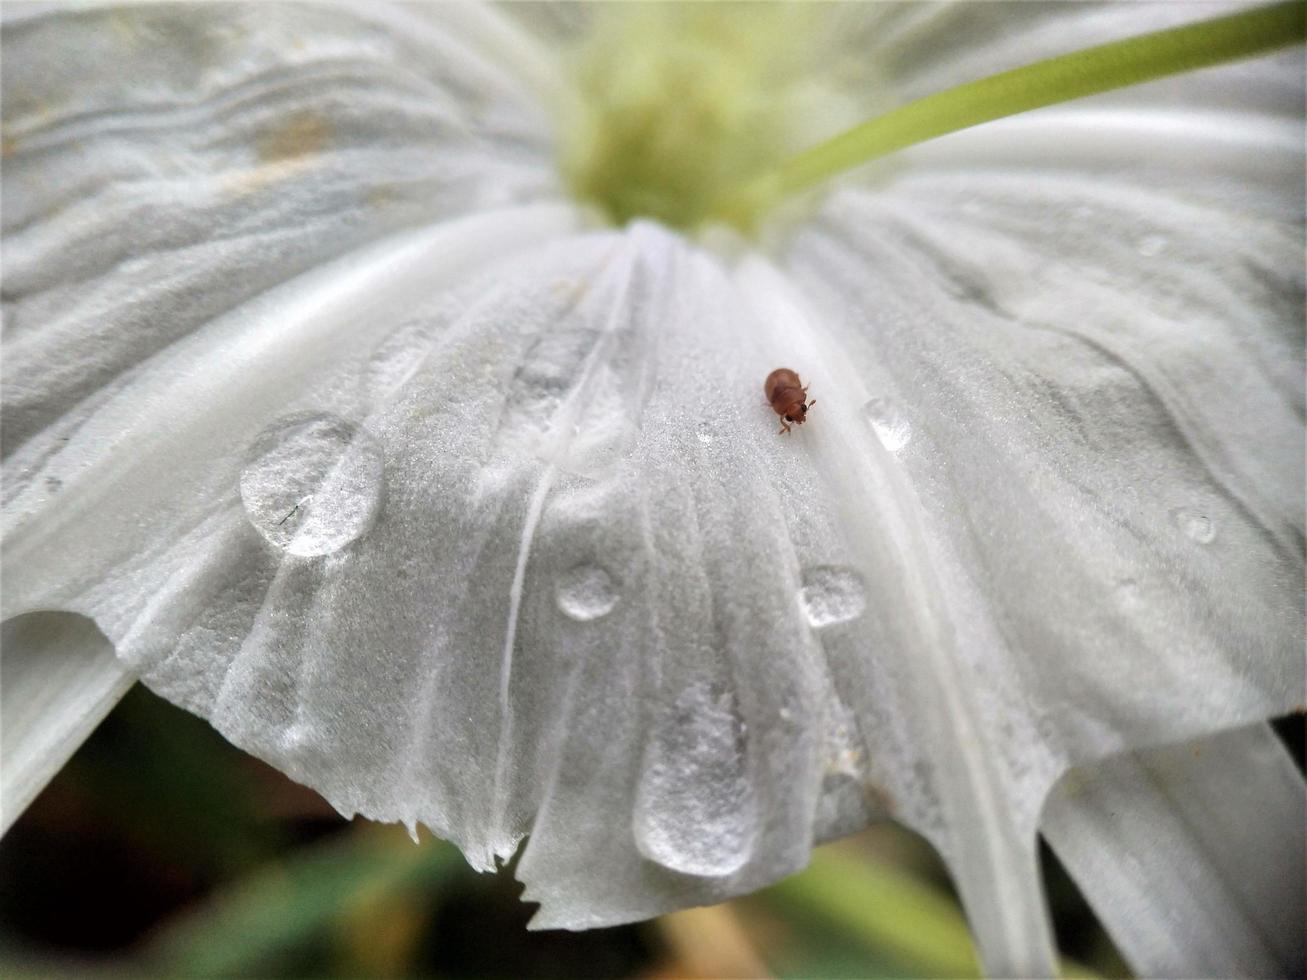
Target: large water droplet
[889, 423]
[586, 592]
[1195, 524]
[832, 594]
[312, 483]
[694, 811]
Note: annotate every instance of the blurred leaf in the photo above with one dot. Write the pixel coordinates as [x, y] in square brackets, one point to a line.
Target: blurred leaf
[378, 935]
[889, 913]
[168, 777]
[903, 926]
[245, 929]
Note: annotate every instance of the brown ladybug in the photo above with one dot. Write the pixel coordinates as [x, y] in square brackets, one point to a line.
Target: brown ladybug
[788, 398]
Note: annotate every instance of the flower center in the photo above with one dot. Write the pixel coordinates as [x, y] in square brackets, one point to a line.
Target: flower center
[694, 113]
[681, 104]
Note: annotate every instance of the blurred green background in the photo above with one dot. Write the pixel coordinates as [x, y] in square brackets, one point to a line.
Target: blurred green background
[160, 850]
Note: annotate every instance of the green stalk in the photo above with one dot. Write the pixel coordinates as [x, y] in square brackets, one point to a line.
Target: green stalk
[1071, 76]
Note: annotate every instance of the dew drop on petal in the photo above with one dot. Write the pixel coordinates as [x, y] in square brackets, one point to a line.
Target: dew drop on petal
[694, 812]
[889, 423]
[704, 433]
[831, 595]
[312, 483]
[1195, 524]
[586, 592]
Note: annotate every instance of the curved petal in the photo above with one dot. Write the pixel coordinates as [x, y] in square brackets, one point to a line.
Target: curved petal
[1188, 877]
[1093, 387]
[1103, 386]
[58, 679]
[245, 145]
[485, 523]
[1116, 554]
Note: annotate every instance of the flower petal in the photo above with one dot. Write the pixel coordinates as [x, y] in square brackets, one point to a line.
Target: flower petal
[60, 679]
[486, 524]
[1192, 854]
[242, 146]
[1109, 440]
[1093, 390]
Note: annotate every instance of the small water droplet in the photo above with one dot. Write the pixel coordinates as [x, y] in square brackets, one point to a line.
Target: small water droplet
[694, 812]
[832, 594]
[1195, 524]
[1151, 245]
[891, 426]
[312, 483]
[412, 827]
[704, 432]
[587, 592]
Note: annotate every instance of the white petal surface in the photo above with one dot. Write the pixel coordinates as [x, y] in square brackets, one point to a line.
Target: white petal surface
[353, 443]
[1079, 334]
[246, 144]
[1192, 855]
[58, 679]
[1104, 444]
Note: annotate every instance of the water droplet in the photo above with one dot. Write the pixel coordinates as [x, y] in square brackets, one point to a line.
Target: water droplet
[891, 426]
[587, 592]
[1197, 525]
[312, 483]
[412, 827]
[832, 595]
[694, 811]
[1151, 245]
[704, 432]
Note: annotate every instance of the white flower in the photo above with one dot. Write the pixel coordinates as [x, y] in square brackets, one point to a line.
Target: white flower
[354, 433]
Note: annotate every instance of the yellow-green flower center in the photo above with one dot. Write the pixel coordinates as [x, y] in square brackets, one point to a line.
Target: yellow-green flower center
[694, 113]
[681, 104]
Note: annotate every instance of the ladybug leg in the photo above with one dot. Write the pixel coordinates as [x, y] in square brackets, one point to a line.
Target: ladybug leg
[783, 429]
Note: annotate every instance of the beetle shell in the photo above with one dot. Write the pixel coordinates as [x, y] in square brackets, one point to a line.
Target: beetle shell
[787, 396]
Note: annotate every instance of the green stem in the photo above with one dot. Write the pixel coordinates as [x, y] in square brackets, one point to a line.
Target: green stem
[1070, 76]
